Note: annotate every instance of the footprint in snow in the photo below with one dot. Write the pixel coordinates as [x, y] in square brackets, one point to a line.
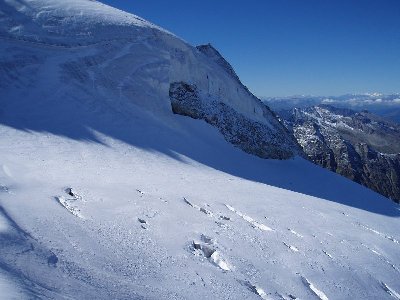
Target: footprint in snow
[206, 239]
[70, 203]
[207, 248]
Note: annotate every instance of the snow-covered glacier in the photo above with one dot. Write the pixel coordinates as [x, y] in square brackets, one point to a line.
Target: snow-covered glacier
[84, 50]
[107, 192]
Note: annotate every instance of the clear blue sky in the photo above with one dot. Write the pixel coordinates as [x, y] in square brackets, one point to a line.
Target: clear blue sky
[287, 47]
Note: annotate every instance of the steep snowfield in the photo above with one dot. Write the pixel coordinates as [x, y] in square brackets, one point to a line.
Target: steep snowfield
[144, 57]
[118, 64]
[105, 194]
[128, 231]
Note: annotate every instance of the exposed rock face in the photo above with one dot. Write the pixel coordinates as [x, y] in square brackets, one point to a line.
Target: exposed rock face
[250, 136]
[255, 130]
[361, 146]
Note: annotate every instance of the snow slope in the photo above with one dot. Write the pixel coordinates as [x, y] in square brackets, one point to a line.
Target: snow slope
[101, 56]
[131, 233]
[104, 193]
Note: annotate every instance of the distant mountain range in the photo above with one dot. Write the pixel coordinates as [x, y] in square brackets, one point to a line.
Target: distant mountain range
[358, 145]
[383, 105]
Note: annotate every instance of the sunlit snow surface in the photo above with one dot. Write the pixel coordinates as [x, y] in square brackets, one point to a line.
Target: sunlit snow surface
[105, 194]
[138, 233]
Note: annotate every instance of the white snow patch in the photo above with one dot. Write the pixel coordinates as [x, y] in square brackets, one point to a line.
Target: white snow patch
[260, 292]
[70, 205]
[376, 252]
[295, 233]
[257, 290]
[390, 291]
[320, 294]
[293, 248]
[208, 250]
[217, 260]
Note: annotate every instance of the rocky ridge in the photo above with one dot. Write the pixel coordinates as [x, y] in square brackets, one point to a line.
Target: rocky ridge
[358, 145]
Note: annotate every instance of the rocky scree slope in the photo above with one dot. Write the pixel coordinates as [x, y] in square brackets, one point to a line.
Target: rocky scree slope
[359, 145]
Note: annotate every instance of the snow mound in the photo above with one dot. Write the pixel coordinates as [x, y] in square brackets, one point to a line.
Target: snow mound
[60, 22]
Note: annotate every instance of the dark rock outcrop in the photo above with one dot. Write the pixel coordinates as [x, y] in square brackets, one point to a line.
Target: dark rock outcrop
[242, 118]
[263, 140]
